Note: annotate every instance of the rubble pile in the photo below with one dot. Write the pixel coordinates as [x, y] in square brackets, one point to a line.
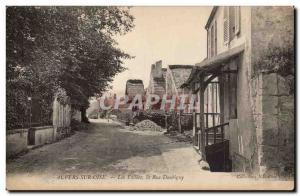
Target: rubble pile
[147, 125]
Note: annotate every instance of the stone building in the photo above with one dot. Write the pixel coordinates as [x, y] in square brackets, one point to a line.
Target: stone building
[133, 88]
[157, 83]
[250, 56]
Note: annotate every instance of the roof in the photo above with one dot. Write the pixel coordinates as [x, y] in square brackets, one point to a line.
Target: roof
[214, 63]
[180, 73]
[211, 16]
[181, 66]
[135, 81]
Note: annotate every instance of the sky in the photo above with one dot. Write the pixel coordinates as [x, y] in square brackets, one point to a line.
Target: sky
[175, 35]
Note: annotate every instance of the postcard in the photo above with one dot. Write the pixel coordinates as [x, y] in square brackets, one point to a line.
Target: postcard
[150, 98]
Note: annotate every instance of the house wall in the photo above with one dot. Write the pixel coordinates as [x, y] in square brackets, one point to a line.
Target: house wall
[241, 131]
[262, 136]
[237, 40]
[272, 90]
[134, 89]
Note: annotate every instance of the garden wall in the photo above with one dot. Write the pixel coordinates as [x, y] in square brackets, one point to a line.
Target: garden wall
[19, 140]
[16, 142]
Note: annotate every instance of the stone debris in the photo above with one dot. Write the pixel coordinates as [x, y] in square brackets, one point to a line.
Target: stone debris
[146, 125]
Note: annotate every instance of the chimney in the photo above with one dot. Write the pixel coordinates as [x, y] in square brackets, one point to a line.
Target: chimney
[157, 69]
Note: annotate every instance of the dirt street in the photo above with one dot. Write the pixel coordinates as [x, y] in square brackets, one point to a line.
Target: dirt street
[109, 147]
[109, 156]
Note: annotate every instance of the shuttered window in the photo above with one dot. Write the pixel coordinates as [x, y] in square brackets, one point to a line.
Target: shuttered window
[226, 25]
[237, 20]
[231, 23]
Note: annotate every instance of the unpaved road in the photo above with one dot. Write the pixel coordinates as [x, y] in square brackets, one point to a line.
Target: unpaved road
[108, 156]
[109, 147]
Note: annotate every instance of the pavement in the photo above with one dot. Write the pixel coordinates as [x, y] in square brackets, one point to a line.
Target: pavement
[120, 158]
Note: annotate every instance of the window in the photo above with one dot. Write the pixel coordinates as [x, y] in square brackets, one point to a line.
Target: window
[212, 40]
[226, 25]
[237, 20]
[231, 22]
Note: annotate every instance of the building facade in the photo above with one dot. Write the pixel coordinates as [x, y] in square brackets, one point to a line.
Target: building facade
[250, 63]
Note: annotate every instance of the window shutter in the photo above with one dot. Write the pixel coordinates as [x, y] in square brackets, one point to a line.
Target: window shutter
[226, 25]
[237, 20]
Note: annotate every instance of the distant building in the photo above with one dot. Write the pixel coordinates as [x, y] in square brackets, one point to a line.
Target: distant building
[177, 75]
[157, 82]
[134, 87]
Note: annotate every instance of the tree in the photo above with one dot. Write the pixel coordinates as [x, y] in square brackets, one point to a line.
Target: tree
[62, 47]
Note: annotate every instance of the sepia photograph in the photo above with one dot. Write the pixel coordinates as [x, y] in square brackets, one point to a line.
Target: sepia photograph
[150, 98]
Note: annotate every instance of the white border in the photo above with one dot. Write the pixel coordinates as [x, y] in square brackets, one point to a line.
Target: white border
[5, 3]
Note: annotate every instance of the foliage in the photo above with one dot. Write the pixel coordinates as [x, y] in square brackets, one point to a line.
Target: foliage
[276, 60]
[70, 48]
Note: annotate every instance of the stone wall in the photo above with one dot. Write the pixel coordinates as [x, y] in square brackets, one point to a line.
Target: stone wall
[44, 135]
[16, 142]
[274, 117]
[272, 87]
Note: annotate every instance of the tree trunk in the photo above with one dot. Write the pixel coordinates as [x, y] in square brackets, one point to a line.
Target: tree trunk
[83, 115]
